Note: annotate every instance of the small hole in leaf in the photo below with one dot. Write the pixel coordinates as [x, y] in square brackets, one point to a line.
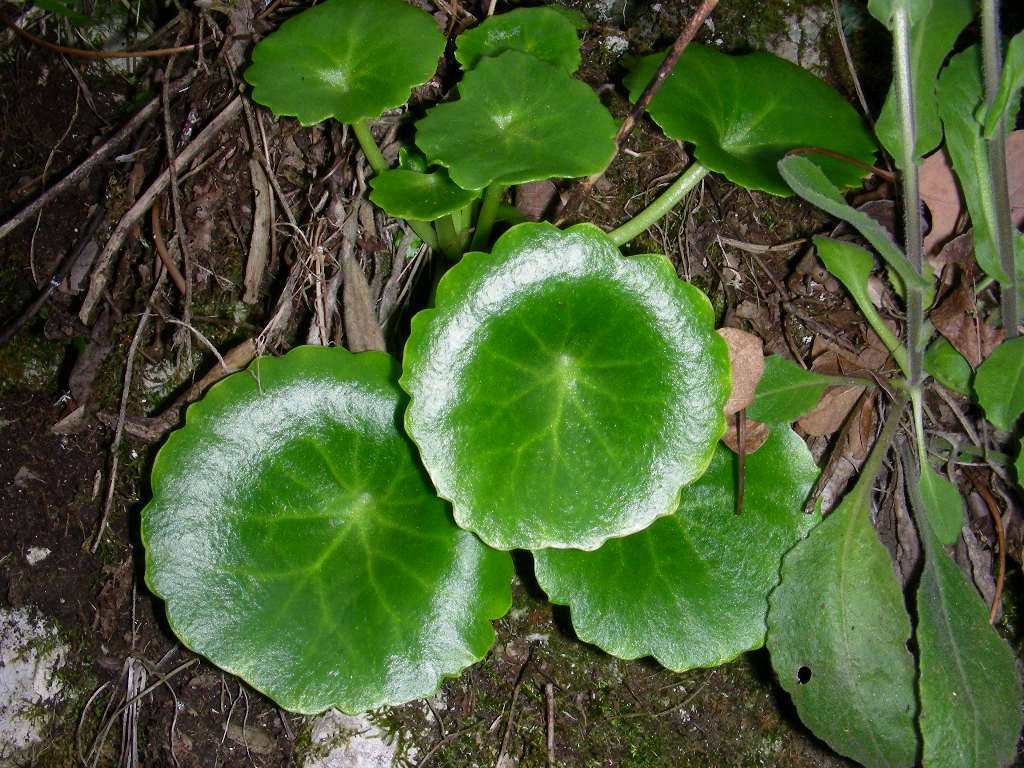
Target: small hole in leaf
[803, 675]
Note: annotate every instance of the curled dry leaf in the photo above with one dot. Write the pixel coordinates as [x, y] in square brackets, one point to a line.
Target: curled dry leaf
[942, 196]
[956, 318]
[746, 358]
[754, 434]
[831, 411]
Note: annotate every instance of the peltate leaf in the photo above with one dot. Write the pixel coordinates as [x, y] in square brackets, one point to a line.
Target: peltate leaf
[346, 59]
[418, 196]
[739, 113]
[299, 545]
[1010, 83]
[948, 366]
[1000, 385]
[960, 93]
[838, 631]
[932, 35]
[690, 590]
[540, 32]
[969, 687]
[518, 120]
[562, 393]
[786, 391]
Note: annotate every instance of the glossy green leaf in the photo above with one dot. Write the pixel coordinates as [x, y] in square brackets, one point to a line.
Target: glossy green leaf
[691, 590]
[346, 59]
[851, 265]
[999, 383]
[410, 158]
[418, 196]
[838, 631]
[786, 391]
[969, 686]
[809, 181]
[931, 38]
[960, 92]
[948, 366]
[540, 32]
[943, 504]
[1010, 84]
[518, 120]
[742, 115]
[299, 545]
[562, 393]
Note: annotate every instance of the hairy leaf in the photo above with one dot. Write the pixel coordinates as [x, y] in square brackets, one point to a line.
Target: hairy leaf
[1000, 385]
[786, 391]
[299, 545]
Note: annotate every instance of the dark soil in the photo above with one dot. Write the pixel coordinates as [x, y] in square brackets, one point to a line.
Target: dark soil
[61, 370]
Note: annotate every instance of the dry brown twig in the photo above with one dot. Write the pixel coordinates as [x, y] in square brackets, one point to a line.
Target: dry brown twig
[577, 195]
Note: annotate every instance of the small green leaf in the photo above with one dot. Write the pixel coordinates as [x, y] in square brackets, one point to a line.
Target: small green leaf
[346, 59]
[741, 114]
[948, 366]
[931, 39]
[540, 32]
[942, 503]
[410, 158]
[1012, 81]
[851, 265]
[786, 391]
[883, 10]
[999, 383]
[562, 393]
[960, 93]
[838, 631]
[690, 590]
[65, 8]
[969, 686]
[518, 120]
[810, 182]
[299, 545]
[418, 196]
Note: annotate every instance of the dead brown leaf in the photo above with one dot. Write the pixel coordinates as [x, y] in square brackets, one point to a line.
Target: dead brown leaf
[754, 434]
[831, 411]
[940, 193]
[956, 318]
[746, 357]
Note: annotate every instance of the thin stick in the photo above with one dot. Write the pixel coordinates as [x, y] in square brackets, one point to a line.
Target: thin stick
[512, 710]
[129, 370]
[997, 519]
[96, 54]
[86, 166]
[685, 38]
[137, 211]
[161, 249]
[549, 696]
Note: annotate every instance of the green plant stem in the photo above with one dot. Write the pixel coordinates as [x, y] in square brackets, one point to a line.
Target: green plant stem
[661, 206]
[488, 212]
[447, 237]
[909, 189]
[379, 165]
[996, 147]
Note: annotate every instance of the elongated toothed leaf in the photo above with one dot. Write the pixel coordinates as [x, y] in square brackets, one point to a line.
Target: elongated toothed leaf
[561, 393]
[299, 545]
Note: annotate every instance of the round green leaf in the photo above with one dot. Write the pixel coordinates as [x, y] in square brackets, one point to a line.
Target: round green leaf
[346, 59]
[948, 366]
[562, 393]
[540, 32]
[1000, 384]
[692, 590]
[419, 196]
[299, 545]
[518, 120]
[744, 113]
